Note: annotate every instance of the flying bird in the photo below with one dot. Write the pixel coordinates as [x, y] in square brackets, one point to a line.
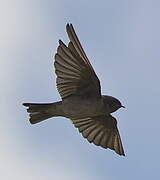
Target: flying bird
[82, 101]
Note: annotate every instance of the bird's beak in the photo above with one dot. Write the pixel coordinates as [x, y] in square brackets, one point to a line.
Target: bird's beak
[123, 106]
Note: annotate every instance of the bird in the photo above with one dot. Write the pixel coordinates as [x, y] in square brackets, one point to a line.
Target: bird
[81, 98]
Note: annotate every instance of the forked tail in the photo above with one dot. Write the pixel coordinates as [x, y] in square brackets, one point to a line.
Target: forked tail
[39, 112]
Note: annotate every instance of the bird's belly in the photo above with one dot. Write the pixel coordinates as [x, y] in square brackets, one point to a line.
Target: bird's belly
[79, 108]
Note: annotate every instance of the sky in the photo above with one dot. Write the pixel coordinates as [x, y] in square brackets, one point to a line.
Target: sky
[121, 39]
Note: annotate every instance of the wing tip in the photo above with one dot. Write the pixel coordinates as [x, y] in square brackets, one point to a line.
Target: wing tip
[69, 28]
[60, 42]
[121, 153]
[69, 25]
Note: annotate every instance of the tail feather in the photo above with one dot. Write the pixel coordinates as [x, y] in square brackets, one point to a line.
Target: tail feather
[36, 107]
[39, 112]
[38, 117]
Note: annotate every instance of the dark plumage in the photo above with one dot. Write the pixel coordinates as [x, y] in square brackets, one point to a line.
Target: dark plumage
[82, 101]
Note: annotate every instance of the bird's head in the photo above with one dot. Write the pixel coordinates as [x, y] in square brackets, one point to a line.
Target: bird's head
[113, 103]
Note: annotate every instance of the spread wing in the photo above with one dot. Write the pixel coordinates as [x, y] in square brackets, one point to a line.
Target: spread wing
[75, 75]
[102, 131]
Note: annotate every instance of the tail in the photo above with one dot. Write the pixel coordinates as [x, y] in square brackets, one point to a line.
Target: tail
[40, 112]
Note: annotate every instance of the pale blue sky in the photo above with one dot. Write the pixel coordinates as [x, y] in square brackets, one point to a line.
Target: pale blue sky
[121, 39]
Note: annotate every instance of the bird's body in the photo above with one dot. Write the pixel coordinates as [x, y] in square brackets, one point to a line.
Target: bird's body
[82, 101]
[77, 107]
